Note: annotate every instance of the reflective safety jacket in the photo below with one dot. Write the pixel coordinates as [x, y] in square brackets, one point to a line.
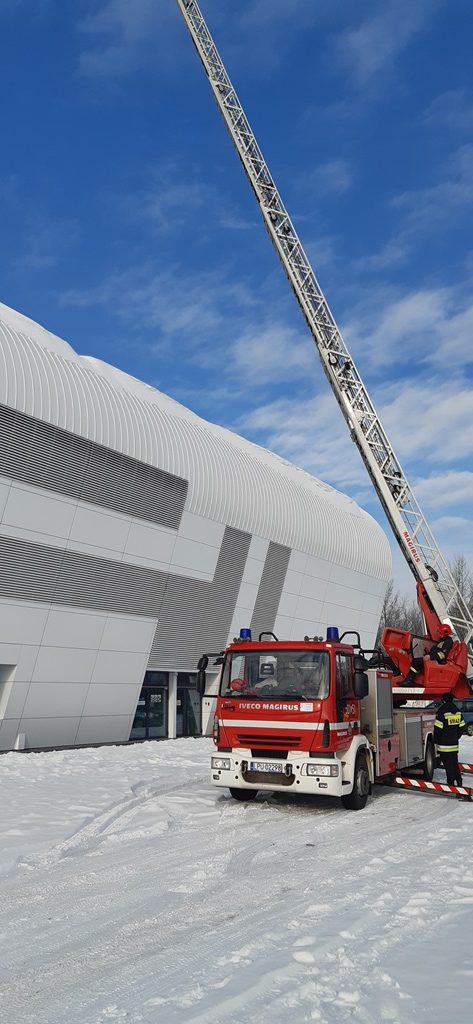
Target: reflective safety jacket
[441, 649]
[448, 727]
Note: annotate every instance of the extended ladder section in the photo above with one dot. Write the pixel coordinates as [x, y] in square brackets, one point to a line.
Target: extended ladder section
[409, 525]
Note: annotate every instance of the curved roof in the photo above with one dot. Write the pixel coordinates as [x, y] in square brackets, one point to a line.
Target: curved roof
[230, 479]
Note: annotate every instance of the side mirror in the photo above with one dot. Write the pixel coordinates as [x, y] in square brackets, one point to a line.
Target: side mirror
[360, 684]
[201, 678]
[360, 663]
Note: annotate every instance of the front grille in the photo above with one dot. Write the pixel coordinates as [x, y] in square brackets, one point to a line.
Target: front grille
[269, 778]
[279, 743]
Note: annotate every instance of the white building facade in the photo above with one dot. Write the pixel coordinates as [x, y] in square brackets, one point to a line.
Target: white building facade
[134, 536]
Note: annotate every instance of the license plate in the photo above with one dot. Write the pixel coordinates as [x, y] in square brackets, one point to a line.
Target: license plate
[266, 766]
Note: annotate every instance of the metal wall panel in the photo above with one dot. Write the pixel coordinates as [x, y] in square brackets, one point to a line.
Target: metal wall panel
[47, 456]
[37, 572]
[270, 588]
[197, 618]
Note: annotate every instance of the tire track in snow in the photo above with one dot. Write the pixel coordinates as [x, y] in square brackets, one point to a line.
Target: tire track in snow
[153, 953]
[102, 824]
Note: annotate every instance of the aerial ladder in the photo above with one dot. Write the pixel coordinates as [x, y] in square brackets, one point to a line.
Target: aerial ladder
[438, 594]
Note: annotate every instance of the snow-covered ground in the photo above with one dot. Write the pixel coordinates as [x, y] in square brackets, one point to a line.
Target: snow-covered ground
[132, 891]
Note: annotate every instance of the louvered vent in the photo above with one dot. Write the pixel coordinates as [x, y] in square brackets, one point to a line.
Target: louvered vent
[203, 611]
[46, 456]
[37, 572]
[270, 588]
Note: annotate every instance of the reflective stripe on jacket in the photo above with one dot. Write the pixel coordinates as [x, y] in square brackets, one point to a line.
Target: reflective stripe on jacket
[441, 649]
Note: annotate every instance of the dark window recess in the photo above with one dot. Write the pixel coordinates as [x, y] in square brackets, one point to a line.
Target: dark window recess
[189, 705]
[151, 716]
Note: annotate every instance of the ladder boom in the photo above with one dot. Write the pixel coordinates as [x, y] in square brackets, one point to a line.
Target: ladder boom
[404, 514]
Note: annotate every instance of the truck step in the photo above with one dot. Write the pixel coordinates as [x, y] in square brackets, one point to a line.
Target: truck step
[437, 787]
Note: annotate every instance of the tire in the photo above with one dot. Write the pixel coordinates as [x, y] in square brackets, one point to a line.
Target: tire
[356, 800]
[429, 761]
[469, 729]
[243, 794]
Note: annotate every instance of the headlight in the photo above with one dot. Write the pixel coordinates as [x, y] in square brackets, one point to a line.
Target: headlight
[322, 769]
[221, 762]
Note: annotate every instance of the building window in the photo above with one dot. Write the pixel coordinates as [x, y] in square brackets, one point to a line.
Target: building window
[188, 711]
[151, 717]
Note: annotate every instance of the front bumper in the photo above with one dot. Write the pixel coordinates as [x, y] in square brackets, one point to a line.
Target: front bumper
[298, 774]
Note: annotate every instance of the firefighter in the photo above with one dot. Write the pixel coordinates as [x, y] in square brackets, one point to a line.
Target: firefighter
[438, 652]
[448, 727]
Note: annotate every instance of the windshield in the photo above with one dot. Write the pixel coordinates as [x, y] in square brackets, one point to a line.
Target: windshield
[277, 675]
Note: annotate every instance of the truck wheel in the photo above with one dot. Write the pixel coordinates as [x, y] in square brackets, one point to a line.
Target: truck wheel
[356, 800]
[429, 761]
[469, 729]
[243, 794]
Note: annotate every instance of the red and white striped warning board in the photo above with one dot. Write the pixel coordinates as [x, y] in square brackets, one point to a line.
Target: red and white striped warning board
[466, 767]
[439, 787]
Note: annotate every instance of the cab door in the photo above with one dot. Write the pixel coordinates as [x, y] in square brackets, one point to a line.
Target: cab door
[347, 706]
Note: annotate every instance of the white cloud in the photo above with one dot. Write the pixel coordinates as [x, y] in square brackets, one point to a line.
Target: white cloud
[443, 490]
[321, 251]
[272, 352]
[431, 420]
[150, 298]
[433, 326]
[426, 210]
[46, 242]
[374, 45]
[392, 254]
[311, 433]
[453, 110]
[168, 204]
[330, 178]
[124, 37]
[454, 523]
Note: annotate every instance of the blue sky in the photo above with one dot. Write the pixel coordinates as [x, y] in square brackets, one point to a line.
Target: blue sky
[128, 227]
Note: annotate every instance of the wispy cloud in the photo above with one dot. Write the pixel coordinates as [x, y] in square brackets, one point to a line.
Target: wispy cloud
[149, 297]
[123, 37]
[333, 177]
[47, 239]
[374, 45]
[424, 213]
[427, 325]
[167, 202]
[426, 210]
[452, 110]
[447, 489]
[310, 433]
[392, 254]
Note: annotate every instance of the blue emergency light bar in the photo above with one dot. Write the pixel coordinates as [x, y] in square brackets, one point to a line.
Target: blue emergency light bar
[333, 634]
[245, 634]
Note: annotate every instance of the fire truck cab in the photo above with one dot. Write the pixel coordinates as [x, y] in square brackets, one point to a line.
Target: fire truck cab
[306, 717]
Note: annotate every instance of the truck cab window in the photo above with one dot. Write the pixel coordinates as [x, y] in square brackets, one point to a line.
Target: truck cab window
[343, 676]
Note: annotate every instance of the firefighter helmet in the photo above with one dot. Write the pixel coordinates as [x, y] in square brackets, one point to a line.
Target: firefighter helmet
[445, 629]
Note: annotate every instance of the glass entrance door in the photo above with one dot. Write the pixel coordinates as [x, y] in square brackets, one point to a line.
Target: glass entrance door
[188, 711]
[151, 717]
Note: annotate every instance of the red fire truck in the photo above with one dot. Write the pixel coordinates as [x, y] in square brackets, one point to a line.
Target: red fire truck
[311, 717]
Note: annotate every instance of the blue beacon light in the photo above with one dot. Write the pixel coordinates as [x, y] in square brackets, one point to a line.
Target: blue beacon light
[332, 634]
[245, 634]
